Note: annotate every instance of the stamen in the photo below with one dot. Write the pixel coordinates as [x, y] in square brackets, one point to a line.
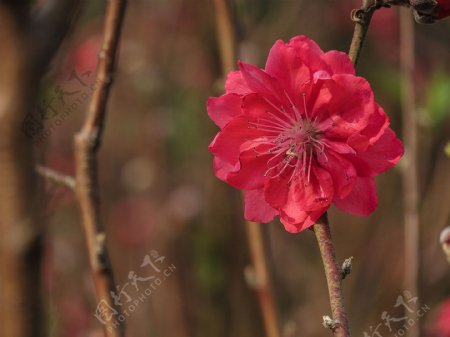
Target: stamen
[309, 166]
[296, 112]
[304, 105]
[283, 113]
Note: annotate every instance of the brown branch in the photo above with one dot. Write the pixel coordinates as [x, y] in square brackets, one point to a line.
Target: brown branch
[260, 280]
[56, 177]
[339, 323]
[87, 143]
[362, 18]
[260, 274]
[410, 174]
[226, 35]
[21, 230]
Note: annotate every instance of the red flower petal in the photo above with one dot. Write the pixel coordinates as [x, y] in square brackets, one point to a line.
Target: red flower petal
[338, 62]
[309, 52]
[262, 83]
[362, 200]
[300, 195]
[341, 170]
[223, 169]
[256, 208]
[375, 128]
[250, 176]
[382, 155]
[222, 109]
[284, 64]
[304, 221]
[350, 108]
[226, 145]
[339, 147]
[235, 84]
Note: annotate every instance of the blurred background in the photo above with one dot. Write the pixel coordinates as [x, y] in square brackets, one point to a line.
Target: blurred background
[160, 196]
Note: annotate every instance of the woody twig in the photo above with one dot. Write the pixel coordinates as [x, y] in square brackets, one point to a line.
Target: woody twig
[87, 144]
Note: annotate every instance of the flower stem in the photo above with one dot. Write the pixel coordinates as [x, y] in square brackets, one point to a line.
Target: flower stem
[333, 274]
[362, 18]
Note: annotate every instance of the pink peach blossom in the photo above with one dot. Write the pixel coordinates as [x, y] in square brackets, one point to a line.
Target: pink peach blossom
[301, 134]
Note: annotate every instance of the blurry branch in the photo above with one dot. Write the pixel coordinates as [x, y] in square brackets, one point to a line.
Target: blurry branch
[362, 18]
[226, 35]
[445, 242]
[87, 143]
[410, 174]
[56, 177]
[21, 232]
[334, 275]
[49, 27]
[260, 279]
[259, 276]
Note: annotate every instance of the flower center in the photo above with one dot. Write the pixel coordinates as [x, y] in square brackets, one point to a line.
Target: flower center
[292, 143]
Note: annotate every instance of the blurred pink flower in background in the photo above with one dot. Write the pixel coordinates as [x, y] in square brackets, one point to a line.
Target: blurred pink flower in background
[441, 324]
[85, 55]
[443, 8]
[75, 316]
[300, 135]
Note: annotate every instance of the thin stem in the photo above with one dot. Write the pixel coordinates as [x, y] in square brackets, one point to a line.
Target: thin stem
[260, 277]
[410, 175]
[362, 18]
[260, 270]
[333, 274]
[87, 143]
[56, 177]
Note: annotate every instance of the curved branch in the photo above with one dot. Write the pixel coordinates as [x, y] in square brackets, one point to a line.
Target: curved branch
[87, 143]
[362, 18]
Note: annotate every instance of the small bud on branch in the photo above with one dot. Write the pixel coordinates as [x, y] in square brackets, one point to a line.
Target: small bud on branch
[347, 267]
